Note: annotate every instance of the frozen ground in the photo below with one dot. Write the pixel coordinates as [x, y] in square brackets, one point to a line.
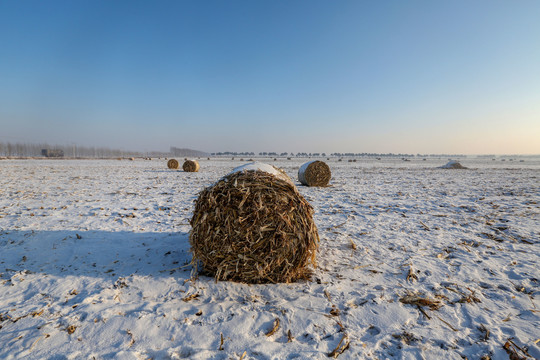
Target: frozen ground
[414, 262]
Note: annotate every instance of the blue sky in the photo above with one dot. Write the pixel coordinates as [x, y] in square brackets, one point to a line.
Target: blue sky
[310, 76]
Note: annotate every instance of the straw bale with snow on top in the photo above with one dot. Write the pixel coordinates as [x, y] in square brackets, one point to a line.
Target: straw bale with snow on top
[253, 226]
[314, 173]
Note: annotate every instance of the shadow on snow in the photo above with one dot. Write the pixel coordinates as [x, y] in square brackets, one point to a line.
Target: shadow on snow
[95, 253]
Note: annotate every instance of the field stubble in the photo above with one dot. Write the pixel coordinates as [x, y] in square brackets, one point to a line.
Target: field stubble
[414, 261]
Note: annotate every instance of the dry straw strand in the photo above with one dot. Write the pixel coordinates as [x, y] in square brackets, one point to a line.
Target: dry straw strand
[254, 227]
[173, 164]
[314, 173]
[191, 166]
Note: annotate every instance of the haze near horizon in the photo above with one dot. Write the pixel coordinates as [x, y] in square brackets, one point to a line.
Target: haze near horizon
[305, 76]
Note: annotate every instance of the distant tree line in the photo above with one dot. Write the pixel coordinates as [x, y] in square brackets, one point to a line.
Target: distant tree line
[8, 149]
[336, 154]
[186, 152]
[233, 153]
[71, 151]
[24, 150]
[265, 153]
[393, 155]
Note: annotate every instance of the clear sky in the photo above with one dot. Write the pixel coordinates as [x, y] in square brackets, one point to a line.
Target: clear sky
[297, 76]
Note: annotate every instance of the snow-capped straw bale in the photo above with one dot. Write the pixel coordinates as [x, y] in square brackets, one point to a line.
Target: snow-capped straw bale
[173, 164]
[254, 226]
[191, 166]
[314, 173]
[453, 164]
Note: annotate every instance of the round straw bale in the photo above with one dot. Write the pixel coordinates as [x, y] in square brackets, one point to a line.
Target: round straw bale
[314, 173]
[254, 226]
[453, 164]
[191, 166]
[173, 164]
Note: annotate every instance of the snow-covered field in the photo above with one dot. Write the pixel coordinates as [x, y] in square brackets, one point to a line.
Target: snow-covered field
[414, 262]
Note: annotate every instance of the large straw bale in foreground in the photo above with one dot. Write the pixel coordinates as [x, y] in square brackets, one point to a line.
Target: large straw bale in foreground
[173, 164]
[191, 166]
[254, 226]
[314, 173]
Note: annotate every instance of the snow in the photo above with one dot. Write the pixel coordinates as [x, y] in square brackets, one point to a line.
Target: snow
[257, 166]
[95, 262]
[304, 166]
[260, 166]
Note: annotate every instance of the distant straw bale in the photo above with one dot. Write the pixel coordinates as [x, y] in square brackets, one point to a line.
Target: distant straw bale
[191, 166]
[173, 164]
[254, 226]
[314, 173]
[453, 164]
